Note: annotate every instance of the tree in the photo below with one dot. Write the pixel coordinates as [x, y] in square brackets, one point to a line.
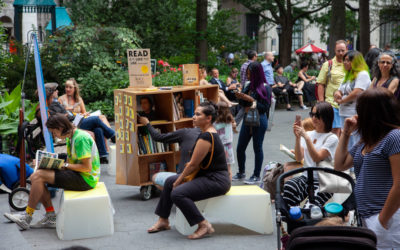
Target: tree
[201, 29]
[337, 28]
[284, 13]
[365, 39]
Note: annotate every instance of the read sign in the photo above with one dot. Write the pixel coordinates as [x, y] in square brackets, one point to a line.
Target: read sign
[190, 74]
[139, 68]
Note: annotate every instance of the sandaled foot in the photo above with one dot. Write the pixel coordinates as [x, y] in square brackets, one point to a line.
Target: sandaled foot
[158, 227]
[202, 231]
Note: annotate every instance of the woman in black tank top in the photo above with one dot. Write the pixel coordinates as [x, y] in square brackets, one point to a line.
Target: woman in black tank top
[211, 180]
[386, 73]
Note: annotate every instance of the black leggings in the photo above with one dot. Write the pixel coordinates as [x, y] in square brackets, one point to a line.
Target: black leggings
[184, 196]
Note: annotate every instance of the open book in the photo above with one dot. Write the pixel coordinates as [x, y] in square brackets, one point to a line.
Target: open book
[43, 154]
[79, 117]
[286, 151]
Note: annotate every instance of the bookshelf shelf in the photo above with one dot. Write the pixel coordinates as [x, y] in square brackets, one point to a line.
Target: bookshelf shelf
[132, 167]
[156, 154]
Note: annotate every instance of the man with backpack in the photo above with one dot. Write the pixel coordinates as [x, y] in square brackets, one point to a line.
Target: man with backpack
[329, 79]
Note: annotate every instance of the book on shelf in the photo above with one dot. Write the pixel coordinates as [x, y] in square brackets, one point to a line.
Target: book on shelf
[189, 107]
[157, 167]
[147, 145]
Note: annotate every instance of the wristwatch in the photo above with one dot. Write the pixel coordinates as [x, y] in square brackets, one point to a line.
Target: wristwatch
[66, 165]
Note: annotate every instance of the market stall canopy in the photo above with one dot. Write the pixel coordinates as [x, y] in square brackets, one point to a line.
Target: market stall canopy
[62, 18]
[310, 48]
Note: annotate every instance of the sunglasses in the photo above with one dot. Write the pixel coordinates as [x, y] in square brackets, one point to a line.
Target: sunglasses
[312, 114]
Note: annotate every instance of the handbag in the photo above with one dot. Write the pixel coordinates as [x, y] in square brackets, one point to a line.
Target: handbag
[194, 173]
[252, 117]
[330, 183]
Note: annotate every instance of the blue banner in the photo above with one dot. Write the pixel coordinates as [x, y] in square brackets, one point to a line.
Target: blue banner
[48, 139]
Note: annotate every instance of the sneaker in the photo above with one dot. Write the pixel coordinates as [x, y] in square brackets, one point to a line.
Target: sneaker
[252, 180]
[298, 92]
[23, 219]
[304, 107]
[48, 221]
[103, 160]
[289, 109]
[238, 177]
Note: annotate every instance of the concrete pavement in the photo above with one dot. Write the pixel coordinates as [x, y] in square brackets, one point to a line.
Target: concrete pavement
[133, 216]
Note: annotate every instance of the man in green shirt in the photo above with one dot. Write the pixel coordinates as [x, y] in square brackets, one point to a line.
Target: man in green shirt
[80, 173]
[329, 79]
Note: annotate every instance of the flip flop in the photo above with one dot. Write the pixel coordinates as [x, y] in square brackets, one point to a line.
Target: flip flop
[159, 229]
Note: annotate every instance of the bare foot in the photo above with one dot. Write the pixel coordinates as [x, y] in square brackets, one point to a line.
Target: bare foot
[205, 228]
[161, 225]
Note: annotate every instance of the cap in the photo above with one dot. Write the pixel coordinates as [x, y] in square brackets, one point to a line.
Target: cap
[295, 213]
[333, 208]
[50, 88]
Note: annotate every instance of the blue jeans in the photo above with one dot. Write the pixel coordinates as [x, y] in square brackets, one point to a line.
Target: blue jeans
[100, 130]
[245, 135]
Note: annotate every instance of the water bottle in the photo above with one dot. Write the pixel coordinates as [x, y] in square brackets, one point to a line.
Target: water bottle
[316, 212]
[295, 213]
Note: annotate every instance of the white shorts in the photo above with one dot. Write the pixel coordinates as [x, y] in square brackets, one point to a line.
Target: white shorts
[161, 177]
[387, 239]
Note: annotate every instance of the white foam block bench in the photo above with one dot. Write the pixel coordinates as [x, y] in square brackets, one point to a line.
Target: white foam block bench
[85, 214]
[112, 166]
[246, 206]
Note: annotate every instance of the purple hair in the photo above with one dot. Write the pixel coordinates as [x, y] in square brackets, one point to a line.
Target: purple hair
[257, 80]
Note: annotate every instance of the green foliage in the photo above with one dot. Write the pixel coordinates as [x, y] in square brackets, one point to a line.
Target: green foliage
[168, 28]
[95, 56]
[9, 111]
[322, 20]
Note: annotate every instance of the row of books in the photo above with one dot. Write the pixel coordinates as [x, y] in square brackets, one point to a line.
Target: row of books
[147, 145]
[182, 107]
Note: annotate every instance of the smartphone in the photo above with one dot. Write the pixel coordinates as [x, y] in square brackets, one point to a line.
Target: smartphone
[137, 114]
[298, 118]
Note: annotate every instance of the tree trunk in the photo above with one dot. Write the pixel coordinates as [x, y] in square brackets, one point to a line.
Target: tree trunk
[285, 44]
[337, 29]
[201, 29]
[363, 16]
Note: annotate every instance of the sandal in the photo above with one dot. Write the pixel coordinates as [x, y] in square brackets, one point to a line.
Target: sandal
[196, 235]
[155, 229]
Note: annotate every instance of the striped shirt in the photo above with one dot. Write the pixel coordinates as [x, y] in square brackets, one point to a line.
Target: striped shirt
[374, 175]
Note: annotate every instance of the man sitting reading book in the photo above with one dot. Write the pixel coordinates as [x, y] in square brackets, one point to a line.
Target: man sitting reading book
[80, 173]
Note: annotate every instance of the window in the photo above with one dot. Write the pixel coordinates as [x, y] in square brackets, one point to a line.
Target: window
[387, 33]
[252, 25]
[297, 37]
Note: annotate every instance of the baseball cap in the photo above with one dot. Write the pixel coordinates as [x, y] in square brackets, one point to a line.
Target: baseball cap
[50, 87]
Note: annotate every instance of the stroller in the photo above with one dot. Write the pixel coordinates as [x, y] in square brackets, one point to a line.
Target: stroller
[295, 228]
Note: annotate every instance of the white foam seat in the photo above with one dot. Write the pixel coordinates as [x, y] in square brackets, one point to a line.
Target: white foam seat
[246, 206]
[112, 165]
[85, 214]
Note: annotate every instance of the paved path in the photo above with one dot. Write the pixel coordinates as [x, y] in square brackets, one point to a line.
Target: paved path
[134, 216]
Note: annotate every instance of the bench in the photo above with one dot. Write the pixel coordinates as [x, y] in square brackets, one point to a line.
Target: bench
[85, 214]
[246, 206]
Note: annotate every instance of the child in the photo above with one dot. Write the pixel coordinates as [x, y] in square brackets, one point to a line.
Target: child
[223, 125]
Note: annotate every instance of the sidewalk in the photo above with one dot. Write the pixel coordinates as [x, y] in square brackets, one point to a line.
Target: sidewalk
[133, 216]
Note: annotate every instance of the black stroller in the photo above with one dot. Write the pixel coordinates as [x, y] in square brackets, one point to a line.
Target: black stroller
[282, 215]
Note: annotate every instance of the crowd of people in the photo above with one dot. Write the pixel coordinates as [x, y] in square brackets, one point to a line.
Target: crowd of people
[354, 123]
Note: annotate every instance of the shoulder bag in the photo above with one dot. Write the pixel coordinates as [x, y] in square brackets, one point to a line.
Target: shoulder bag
[194, 173]
[330, 183]
[252, 117]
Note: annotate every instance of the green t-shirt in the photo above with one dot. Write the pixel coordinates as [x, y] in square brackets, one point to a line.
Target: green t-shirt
[81, 147]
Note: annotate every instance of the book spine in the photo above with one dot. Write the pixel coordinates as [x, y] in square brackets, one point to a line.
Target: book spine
[146, 142]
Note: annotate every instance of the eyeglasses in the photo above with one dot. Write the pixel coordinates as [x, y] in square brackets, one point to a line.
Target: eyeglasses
[312, 114]
[385, 62]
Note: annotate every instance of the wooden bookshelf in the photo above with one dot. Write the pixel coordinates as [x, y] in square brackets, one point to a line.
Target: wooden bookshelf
[132, 167]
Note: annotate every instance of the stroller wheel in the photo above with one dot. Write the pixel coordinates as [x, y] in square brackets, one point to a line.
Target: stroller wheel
[18, 198]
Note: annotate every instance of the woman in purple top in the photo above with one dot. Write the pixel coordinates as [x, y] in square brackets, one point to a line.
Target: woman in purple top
[376, 160]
